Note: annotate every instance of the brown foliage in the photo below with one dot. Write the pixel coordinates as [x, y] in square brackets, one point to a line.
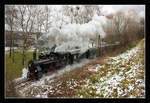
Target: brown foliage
[124, 28]
[109, 16]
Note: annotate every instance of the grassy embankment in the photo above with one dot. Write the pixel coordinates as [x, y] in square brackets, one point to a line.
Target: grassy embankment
[119, 77]
[15, 69]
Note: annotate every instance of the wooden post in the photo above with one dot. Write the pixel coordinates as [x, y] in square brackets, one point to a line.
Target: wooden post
[99, 46]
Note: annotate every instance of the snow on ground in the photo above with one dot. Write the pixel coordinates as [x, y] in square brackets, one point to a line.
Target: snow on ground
[17, 49]
[8, 48]
[24, 75]
[122, 76]
[42, 87]
[96, 69]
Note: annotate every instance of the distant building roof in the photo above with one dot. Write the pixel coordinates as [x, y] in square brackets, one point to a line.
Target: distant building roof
[22, 31]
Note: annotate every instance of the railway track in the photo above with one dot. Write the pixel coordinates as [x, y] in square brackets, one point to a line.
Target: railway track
[23, 83]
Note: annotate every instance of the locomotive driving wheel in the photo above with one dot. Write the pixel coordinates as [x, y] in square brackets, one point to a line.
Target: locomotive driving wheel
[39, 75]
[39, 72]
[28, 75]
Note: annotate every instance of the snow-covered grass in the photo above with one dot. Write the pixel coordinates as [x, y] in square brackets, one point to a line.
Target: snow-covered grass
[24, 75]
[122, 76]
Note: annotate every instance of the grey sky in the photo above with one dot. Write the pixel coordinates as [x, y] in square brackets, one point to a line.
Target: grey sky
[108, 9]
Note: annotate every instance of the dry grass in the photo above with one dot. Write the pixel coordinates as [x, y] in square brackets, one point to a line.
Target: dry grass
[10, 86]
[138, 89]
[68, 80]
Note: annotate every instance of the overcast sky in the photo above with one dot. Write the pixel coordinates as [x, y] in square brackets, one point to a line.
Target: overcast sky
[108, 9]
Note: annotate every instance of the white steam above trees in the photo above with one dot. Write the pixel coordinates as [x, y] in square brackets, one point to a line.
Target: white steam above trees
[75, 34]
[78, 25]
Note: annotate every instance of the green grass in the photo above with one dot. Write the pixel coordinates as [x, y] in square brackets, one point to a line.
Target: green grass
[15, 69]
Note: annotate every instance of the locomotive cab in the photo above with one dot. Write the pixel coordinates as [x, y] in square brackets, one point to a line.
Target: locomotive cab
[35, 71]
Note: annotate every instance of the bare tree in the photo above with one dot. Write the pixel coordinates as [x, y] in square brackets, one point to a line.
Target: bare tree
[10, 16]
[26, 19]
[141, 33]
[116, 27]
[121, 24]
[46, 18]
[110, 30]
[40, 18]
[81, 14]
[59, 18]
[121, 27]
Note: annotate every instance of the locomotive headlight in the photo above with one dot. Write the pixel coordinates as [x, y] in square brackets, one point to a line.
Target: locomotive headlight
[29, 65]
[35, 70]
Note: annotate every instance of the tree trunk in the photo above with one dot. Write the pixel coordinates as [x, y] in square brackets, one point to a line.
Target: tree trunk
[24, 58]
[13, 51]
[13, 48]
[10, 52]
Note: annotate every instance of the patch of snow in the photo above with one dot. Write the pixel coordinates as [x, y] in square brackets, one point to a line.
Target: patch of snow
[132, 96]
[130, 87]
[81, 96]
[93, 69]
[38, 96]
[8, 48]
[98, 91]
[24, 73]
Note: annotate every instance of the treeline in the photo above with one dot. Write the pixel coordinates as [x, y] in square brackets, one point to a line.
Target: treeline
[39, 18]
[120, 27]
[124, 28]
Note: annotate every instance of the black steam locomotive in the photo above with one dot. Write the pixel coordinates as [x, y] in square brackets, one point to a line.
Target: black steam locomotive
[52, 61]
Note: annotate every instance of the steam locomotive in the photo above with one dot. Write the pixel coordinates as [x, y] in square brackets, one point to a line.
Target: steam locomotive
[52, 61]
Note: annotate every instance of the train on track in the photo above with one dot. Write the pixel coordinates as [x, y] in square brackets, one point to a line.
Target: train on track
[53, 61]
[50, 60]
